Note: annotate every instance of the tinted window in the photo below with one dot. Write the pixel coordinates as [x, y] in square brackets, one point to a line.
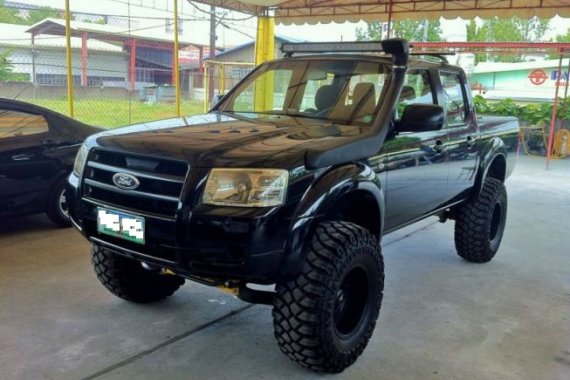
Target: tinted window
[454, 98]
[343, 91]
[417, 89]
[15, 123]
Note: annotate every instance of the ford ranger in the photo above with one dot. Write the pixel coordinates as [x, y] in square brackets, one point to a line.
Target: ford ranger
[291, 180]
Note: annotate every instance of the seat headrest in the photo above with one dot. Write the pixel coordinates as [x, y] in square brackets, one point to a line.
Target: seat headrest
[326, 96]
[364, 97]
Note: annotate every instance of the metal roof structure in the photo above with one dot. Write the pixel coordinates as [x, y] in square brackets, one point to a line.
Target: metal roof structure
[56, 27]
[324, 11]
[558, 48]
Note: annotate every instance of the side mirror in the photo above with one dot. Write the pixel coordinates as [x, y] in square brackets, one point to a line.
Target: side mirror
[421, 118]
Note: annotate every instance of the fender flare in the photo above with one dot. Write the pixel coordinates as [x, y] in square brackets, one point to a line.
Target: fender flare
[493, 149]
[318, 200]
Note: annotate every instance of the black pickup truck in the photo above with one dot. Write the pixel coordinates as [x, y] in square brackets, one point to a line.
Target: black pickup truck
[292, 179]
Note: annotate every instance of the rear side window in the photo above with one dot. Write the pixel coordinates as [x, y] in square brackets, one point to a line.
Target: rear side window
[15, 123]
[417, 89]
[454, 99]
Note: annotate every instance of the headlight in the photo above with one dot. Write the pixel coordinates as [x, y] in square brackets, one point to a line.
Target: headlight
[246, 187]
[80, 160]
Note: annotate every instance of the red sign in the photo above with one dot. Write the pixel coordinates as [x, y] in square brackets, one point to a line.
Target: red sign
[538, 77]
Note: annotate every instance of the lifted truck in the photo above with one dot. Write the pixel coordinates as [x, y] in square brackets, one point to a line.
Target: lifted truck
[292, 179]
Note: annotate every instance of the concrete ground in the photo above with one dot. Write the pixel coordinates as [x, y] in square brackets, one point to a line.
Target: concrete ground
[442, 318]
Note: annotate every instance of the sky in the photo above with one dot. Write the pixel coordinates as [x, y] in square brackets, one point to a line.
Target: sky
[237, 29]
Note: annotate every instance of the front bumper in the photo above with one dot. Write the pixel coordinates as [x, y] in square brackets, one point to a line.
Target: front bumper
[205, 241]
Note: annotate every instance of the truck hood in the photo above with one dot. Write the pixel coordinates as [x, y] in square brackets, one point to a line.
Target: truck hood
[225, 140]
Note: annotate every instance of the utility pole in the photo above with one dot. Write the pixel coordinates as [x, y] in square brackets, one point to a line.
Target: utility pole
[210, 70]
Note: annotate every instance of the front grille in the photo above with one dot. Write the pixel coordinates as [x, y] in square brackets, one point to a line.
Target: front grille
[158, 193]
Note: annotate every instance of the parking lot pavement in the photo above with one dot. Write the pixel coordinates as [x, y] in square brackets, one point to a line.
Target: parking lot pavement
[442, 318]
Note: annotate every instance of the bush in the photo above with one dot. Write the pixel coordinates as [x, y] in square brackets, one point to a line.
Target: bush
[534, 114]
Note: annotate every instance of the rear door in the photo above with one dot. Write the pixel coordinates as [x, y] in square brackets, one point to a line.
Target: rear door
[416, 163]
[26, 173]
[461, 125]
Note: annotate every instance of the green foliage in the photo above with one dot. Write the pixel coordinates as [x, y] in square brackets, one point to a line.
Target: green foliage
[506, 107]
[12, 15]
[411, 30]
[564, 37]
[481, 105]
[9, 15]
[37, 15]
[534, 114]
[506, 30]
[6, 73]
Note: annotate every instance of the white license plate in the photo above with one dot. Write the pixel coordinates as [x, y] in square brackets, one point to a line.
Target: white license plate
[120, 225]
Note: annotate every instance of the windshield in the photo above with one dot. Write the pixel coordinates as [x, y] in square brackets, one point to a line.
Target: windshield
[340, 91]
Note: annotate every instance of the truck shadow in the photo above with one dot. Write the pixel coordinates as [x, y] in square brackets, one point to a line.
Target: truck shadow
[24, 224]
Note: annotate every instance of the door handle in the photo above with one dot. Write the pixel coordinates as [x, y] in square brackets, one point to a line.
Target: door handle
[438, 147]
[470, 141]
[22, 157]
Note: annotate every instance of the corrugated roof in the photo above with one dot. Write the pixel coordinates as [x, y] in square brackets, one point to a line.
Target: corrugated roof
[106, 32]
[18, 36]
[314, 11]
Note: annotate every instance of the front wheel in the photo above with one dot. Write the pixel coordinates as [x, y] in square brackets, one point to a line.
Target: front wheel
[127, 279]
[325, 317]
[57, 209]
[480, 223]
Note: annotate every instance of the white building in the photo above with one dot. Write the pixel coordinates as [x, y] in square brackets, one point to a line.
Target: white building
[44, 62]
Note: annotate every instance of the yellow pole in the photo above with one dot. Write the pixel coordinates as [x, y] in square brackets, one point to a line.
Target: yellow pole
[68, 58]
[206, 84]
[222, 79]
[176, 64]
[264, 51]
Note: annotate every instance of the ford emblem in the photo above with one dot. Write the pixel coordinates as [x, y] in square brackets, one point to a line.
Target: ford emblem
[126, 181]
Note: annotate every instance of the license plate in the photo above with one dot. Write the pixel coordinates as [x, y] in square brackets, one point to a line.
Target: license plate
[120, 225]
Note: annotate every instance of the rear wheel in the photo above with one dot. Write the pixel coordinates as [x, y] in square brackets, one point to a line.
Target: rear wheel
[127, 279]
[57, 210]
[480, 223]
[324, 318]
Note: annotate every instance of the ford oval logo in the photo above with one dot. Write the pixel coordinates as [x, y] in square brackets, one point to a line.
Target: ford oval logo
[126, 181]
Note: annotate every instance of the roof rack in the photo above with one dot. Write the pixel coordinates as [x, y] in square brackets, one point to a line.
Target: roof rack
[440, 55]
[398, 48]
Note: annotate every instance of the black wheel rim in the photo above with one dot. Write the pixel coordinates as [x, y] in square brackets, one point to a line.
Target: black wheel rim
[351, 301]
[496, 221]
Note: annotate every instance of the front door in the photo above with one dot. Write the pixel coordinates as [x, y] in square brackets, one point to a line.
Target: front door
[416, 164]
[25, 172]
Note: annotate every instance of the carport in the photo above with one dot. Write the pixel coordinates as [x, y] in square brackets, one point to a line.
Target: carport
[442, 318]
[316, 11]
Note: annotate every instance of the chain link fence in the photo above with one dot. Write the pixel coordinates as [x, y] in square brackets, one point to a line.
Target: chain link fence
[122, 67]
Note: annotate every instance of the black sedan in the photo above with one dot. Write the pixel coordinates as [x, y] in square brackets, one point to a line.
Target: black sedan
[37, 150]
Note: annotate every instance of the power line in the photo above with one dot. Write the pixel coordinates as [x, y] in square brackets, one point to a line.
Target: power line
[209, 13]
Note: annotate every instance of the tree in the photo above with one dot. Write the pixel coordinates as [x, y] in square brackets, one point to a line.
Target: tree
[564, 37]
[6, 73]
[513, 29]
[411, 30]
[37, 15]
[9, 15]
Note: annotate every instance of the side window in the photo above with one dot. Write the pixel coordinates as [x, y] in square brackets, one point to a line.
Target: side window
[15, 123]
[417, 89]
[454, 98]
